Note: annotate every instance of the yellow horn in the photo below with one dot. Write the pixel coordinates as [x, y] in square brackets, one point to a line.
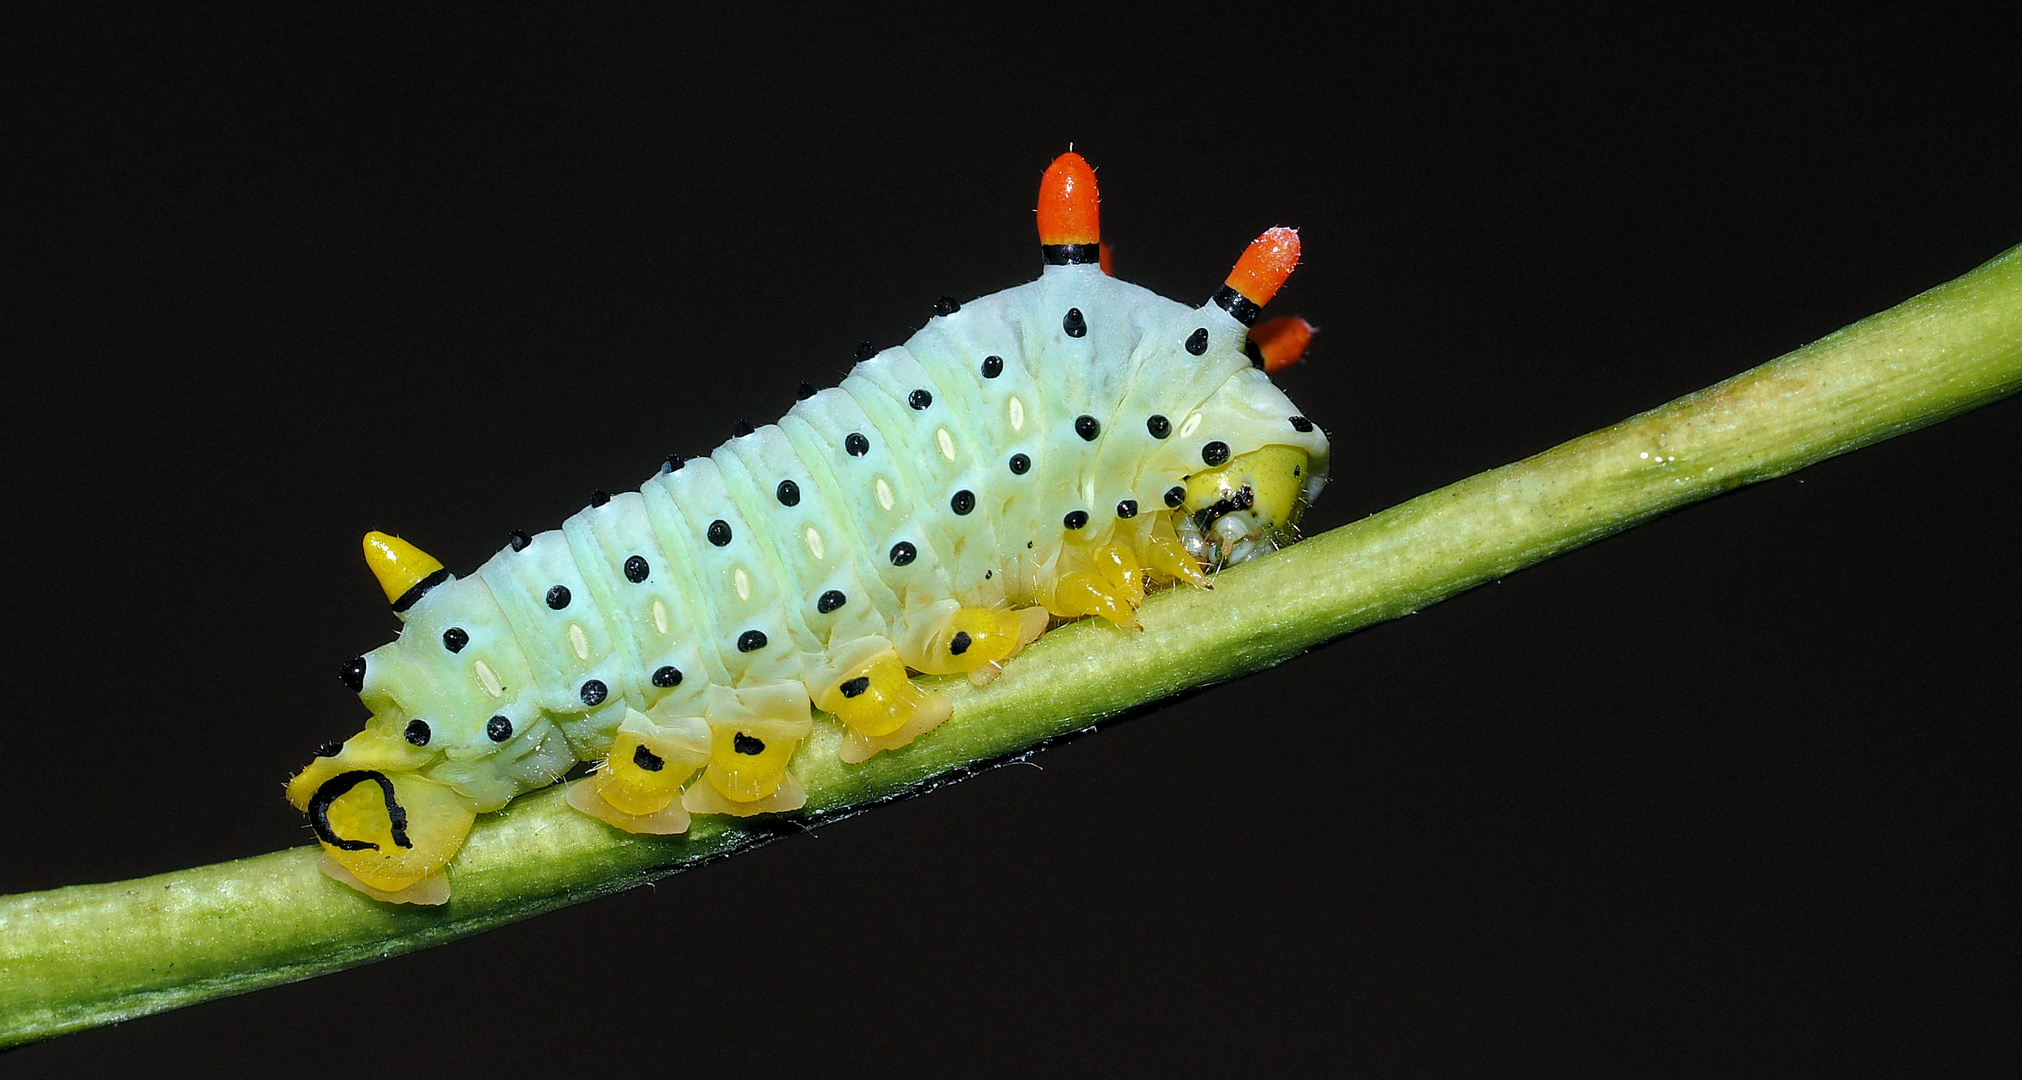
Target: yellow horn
[406, 572]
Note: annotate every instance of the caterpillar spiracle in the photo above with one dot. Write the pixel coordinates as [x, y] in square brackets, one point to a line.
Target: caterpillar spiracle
[1047, 452]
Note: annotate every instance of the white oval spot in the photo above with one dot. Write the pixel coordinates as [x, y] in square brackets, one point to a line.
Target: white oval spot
[947, 443]
[660, 616]
[1193, 424]
[579, 641]
[1017, 415]
[488, 679]
[814, 547]
[742, 582]
[884, 493]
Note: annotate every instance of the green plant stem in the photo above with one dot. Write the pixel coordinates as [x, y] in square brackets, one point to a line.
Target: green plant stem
[77, 957]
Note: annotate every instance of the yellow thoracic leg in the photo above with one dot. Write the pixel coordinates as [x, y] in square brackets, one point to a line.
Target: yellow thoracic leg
[878, 704]
[1164, 554]
[638, 785]
[752, 736]
[1085, 592]
[1118, 566]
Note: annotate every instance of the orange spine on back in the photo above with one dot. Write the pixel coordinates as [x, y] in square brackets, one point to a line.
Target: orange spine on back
[1069, 208]
[1265, 265]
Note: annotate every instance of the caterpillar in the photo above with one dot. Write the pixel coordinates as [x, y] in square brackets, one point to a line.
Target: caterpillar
[1048, 452]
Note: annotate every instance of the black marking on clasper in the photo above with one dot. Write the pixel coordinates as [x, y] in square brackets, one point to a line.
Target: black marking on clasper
[337, 787]
[903, 552]
[420, 589]
[719, 532]
[1237, 304]
[946, 305]
[1300, 423]
[959, 644]
[750, 745]
[330, 749]
[1197, 342]
[788, 493]
[647, 759]
[855, 687]
[352, 674]
[751, 641]
[455, 638]
[993, 366]
[559, 597]
[855, 445]
[1073, 323]
[636, 569]
[498, 729]
[418, 732]
[830, 600]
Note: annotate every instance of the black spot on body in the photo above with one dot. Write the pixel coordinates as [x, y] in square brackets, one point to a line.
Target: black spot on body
[1127, 509]
[749, 745]
[751, 641]
[830, 601]
[788, 493]
[594, 692]
[498, 729]
[946, 305]
[741, 428]
[1020, 464]
[1073, 323]
[856, 445]
[330, 749]
[1215, 453]
[599, 497]
[418, 732]
[1088, 427]
[959, 644]
[518, 540]
[1255, 354]
[1158, 425]
[673, 463]
[802, 391]
[647, 759]
[719, 532]
[1175, 495]
[993, 366]
[558, 597]
[1197, 342]
[865, 350]
[667, 677]
[1300, 423]
[919, 399]
[636, 569]
[454, 639]
[903, 553]
[352, 673]
[1075, 519]
[963, 502]
[855, 687]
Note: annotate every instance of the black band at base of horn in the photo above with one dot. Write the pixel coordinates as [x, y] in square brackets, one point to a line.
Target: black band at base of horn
[420, 589]
[1071, 254]
[1237, 304]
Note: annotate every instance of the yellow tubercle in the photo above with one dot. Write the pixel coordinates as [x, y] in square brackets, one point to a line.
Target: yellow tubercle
[404, 571]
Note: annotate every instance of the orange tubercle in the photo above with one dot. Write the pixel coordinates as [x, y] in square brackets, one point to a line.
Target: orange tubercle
[1283, 341]
[1262, 270]
[1069, 208]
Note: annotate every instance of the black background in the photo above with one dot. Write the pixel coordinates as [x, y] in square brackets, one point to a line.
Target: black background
[1721, 791]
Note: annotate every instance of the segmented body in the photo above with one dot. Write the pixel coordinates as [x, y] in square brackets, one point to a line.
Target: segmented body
[1023, 455]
